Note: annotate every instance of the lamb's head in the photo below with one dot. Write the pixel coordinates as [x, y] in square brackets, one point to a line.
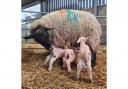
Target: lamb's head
[82, 39]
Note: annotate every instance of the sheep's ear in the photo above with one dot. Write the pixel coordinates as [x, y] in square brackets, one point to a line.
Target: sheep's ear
[46, 28]
[78, 41]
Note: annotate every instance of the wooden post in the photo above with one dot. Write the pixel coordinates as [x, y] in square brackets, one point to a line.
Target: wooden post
[95, 4]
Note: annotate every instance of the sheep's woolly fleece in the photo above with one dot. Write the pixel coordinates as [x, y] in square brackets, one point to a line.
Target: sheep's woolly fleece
[69, 25]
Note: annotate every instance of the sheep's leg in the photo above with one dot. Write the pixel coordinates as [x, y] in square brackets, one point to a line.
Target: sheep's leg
[47, 59]
[93, 59]
[51, 62]
[89, 69]
[79, 67]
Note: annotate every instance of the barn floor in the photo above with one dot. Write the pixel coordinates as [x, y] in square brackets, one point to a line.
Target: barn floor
[35, 76]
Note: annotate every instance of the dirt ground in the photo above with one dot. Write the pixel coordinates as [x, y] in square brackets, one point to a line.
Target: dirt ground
[35, 76]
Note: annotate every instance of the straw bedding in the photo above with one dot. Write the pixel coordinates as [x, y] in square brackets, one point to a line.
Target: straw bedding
[35, 76]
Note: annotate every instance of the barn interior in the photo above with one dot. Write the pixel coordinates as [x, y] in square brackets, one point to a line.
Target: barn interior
[36, 76]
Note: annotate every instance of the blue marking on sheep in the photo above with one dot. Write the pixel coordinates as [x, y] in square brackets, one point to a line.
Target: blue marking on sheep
[72, 17]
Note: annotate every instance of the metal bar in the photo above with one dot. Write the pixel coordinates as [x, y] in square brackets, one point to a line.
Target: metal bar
[84, 4]
[103, 1]
[74, 4]
[52, 5]
[29, 20]
[35, 12]
[48, 5]
[101, 16]
[59, 4]
[103, 24]
[102, 5]
[68, 4]
[95, 4]
[89, 3]
[62, 4]
[31, 4]
[80, 4]
[55, 5]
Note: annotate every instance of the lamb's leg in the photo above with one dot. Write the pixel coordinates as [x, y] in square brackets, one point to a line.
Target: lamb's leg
[89, 69]
[47, 59]
[51, 62]
[83, 64]
[68, 65]
[64, 64]
[79, 67]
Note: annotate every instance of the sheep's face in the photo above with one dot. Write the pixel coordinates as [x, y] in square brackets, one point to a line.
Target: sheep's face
[41, 36]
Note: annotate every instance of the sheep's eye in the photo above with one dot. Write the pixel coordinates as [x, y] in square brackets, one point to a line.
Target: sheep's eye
[38, 31]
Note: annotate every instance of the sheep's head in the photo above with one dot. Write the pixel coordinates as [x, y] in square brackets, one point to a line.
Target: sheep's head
[82, 39]
[40, 34]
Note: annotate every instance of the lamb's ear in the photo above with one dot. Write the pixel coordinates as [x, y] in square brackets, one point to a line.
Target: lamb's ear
[78, 41]
[53, 46]
[85, 39]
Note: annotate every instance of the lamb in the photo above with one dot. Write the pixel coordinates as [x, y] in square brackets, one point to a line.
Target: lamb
[68, 56]
[84, 58]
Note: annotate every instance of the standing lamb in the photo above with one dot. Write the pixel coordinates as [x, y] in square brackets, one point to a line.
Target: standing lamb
[84, 58]
[68, 56]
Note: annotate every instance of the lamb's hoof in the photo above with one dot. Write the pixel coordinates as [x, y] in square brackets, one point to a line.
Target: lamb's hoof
[64, 66]
[92, 81]
[44, 66]
[49, 70]
[77, 78]
[89, 81]
[69, 71]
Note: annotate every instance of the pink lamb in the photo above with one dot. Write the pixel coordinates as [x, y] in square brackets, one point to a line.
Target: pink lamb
[84, 58]
[68, 56]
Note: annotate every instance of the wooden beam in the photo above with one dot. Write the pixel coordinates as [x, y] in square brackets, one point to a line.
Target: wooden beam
[30, 45]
